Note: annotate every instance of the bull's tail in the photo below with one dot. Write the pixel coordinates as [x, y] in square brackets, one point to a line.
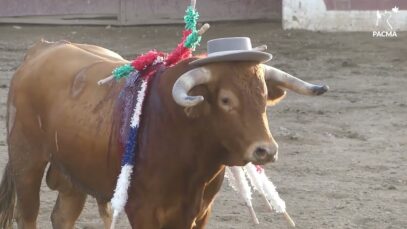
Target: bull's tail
[7, 198]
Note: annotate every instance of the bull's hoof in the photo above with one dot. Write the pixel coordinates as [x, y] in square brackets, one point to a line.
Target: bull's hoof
[319, 90]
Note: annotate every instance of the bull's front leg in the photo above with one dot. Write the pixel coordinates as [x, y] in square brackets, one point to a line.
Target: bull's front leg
[188, 215]
[211, 189]
[206, 199]
[141, 217]
[159, 217]
[178, 212]
[185, 210]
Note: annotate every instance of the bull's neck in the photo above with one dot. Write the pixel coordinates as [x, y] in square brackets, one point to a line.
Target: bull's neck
[177, 158]
[170, 142]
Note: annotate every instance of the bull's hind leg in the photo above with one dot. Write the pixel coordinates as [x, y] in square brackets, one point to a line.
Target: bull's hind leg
[27, 164]
[28, 182]
[70, 201]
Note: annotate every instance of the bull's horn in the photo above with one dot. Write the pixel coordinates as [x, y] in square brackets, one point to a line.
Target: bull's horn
[186, 82]
[285, 80]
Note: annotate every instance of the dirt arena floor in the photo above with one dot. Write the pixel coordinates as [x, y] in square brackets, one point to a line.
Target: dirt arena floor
[343, 156]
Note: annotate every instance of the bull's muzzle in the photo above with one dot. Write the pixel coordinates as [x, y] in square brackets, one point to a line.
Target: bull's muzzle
[264, 153]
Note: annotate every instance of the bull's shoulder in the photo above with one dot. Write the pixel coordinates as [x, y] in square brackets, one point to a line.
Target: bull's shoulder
[61, 63]
[39, 47]
[100, 51]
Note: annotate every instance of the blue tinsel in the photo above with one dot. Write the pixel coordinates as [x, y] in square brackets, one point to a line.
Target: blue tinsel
[131, 147]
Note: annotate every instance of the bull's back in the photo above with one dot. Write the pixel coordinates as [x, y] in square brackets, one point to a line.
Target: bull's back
[60, 108]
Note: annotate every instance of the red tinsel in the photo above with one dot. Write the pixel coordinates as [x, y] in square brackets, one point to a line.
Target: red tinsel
[146, 60]
[259, 169]
[180, 52]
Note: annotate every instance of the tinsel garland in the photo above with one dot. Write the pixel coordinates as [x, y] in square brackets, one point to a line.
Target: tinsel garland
[191, 17]
[193, 40]
[122, 71]
[190, 40]
[180, 52]
[136, 68]
[238, 179]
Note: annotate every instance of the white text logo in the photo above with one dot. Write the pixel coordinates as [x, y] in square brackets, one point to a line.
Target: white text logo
[385, 28]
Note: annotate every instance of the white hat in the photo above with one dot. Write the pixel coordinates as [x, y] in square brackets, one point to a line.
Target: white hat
[232, 49]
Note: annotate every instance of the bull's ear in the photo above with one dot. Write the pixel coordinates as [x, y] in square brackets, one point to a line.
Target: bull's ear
[274, 94]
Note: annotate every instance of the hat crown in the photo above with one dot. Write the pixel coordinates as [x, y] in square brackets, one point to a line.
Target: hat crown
[229, 44]
[232, 49]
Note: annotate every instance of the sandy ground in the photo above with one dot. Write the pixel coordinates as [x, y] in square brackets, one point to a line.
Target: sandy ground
[343, 161]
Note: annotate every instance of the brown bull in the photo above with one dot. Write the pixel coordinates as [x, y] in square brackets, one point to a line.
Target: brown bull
[195, 121]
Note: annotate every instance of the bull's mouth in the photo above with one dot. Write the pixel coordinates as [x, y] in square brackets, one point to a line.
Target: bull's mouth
[263, 159]
[263, 162]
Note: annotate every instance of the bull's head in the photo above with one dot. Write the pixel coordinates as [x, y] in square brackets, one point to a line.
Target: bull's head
[232, 99]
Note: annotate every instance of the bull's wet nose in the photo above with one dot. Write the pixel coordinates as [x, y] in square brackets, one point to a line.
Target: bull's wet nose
[265, 153]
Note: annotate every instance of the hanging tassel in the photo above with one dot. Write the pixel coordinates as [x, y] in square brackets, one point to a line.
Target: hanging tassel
[190, 18]
[242, 187]
[120, 195]
[271, 194]
[137, 66]
[257, 182]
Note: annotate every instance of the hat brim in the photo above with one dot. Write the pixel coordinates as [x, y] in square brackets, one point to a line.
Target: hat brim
[237, 55]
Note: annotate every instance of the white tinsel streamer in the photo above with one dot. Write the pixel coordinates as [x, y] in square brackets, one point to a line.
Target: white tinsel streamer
[243, 188]
[262, 184]
[271, 193]
[257, 181]
[254, 178]
[232, 181]
[273, 197]
[120, 193]
[135, 119]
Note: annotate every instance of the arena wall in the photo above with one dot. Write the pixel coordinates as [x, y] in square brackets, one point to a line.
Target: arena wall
[133, 12]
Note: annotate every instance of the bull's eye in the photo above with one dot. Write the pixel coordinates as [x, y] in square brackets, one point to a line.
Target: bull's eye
[225, 101]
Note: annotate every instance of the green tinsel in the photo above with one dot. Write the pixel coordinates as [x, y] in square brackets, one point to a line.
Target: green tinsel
[190, 18]
[193, 40]
[122, 71]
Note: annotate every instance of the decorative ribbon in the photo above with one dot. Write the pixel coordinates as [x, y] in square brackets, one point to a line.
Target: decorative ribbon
[190, 39]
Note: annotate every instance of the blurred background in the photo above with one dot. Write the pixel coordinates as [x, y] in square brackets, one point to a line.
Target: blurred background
[313, 14]
[133, 12]
[342, 161]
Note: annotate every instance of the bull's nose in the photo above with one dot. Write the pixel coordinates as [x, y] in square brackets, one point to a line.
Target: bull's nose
[265, 153]
[261, 152]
